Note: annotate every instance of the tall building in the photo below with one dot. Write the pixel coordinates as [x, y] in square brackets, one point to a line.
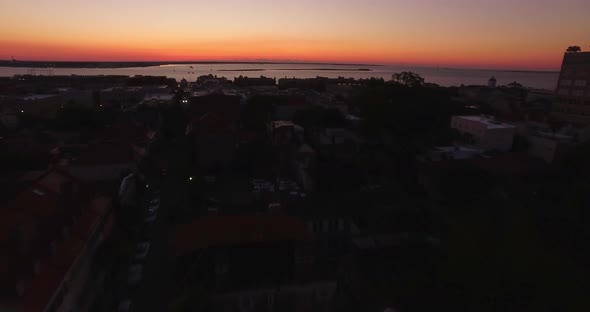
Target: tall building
[572, 103]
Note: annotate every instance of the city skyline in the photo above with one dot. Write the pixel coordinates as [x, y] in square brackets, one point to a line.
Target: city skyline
[526, 35]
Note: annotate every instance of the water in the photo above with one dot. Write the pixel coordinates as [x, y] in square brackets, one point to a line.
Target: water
[441, 76]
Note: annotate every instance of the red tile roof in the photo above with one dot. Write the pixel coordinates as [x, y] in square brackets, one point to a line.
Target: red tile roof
[37, 213]
[85, 225]
[40, 290]
[66, 253]
[36, 201]
[234, 230]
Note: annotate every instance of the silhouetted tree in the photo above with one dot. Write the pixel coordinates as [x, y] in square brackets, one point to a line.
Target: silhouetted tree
[408, 79]
[573, 49]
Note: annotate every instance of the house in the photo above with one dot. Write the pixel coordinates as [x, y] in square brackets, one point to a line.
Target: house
[286, 106]
[486, 132]
[109, 157]
[284, 132]
[41, 105]
[103, 162]
[214, 138]
[226, 105]
[50, 232]
[156, 99]
[251, 82]
[250, 263]
[336, 143]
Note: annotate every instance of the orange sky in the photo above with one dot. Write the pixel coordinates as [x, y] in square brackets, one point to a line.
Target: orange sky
[529, 34]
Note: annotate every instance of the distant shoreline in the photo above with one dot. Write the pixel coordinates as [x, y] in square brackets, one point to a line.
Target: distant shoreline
[501, 70]
[114, 65]
[293, 69]
[64, 64]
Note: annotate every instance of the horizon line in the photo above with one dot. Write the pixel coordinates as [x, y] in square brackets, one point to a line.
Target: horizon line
[277, 62]
[199, 62]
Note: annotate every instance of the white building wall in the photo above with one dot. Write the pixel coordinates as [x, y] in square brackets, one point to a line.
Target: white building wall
[491, 138]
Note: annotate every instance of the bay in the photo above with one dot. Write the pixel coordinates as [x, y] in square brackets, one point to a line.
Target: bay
[442, 76]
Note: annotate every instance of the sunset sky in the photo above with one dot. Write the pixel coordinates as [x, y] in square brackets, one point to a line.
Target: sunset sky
[524, 34]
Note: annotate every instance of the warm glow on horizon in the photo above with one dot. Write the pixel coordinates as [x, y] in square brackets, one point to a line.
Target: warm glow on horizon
[528, 34]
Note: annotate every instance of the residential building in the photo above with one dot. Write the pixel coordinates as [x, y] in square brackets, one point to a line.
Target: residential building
[50, 233]
[156, 99]
[572, 103]
[214, 142]
[485, 132]
[284, 132]
[41, 105]
[336, 143]
[251, 82]
[252, 263]
[222, 102]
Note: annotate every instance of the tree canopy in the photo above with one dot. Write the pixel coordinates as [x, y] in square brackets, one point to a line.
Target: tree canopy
[573, 49]
[408, 79]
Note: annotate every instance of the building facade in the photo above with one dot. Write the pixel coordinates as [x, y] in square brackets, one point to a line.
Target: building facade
[485, 132]
[572, 101]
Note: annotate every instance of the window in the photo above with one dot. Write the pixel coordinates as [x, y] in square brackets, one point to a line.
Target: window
[563, 91]
[580, 83]
[578, 93]
[565, 82]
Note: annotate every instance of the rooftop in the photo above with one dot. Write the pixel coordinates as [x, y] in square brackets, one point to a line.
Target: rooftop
[490, 123]
[36, 97]
[158, 97]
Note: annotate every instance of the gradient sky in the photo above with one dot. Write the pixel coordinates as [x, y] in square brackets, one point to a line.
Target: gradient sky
[525, 34]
